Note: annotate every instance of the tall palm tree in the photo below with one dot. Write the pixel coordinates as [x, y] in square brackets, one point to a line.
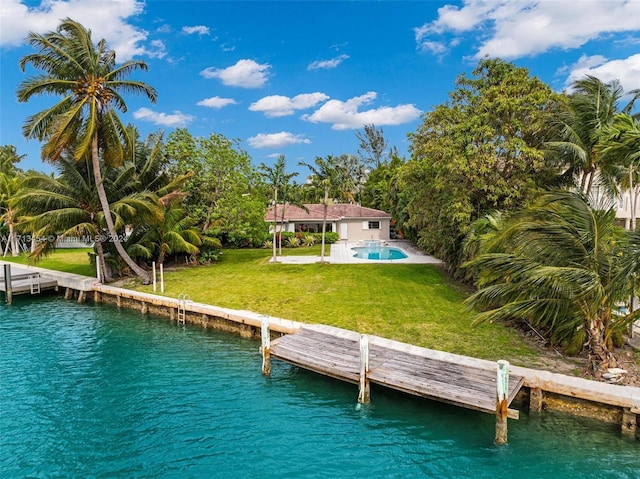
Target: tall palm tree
[559, 267]
[277, 177]
[592, 107]
[85, 119]
[326, 176]
[10, 185]
[619, 146]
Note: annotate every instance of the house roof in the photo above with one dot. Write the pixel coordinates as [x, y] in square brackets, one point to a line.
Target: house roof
[334, 212]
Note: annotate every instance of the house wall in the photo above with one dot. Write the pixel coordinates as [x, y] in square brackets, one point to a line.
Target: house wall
[358, 232]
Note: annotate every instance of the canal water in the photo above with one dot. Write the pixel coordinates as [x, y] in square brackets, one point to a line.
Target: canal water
[96, 392]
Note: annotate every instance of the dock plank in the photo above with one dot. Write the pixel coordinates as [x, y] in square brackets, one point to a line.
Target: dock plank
[336, 353]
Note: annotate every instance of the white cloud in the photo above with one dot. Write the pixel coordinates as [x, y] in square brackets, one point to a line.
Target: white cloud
[277, 105]
[108, 22]
[176, 119]
[345, 115]
[245, 74]
[626, 70]
[199, 29]
[216, 102]
[276, 140]
[327, 64]
[529, 27]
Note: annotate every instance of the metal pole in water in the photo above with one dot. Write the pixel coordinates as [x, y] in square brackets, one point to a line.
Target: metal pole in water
[266, 346]
[502, 390]
[8, 288]
[364, 394]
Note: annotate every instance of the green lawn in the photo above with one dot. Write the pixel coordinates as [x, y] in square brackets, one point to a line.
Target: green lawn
[416, 304]
[70, 260]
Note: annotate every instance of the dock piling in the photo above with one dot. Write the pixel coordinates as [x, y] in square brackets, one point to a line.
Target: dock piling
[266, 346]
[502, 393]
[8, 289]
[364, 394]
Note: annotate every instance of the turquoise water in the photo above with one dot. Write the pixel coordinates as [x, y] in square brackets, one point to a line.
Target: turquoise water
[95, 392]
[378, 253]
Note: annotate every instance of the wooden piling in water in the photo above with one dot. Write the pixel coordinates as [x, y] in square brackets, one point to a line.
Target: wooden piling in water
[8, 288]
[266, 346]
[502, 392]
[364, 394]
[535, 399]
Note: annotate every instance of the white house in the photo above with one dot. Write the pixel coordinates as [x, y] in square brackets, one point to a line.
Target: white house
[351, 222]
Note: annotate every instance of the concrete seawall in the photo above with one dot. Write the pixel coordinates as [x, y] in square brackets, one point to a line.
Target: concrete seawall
[543, 389]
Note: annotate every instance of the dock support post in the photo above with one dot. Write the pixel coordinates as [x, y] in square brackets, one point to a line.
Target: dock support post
[364, 394]
[266, 346]
[68, 293]
[8, 287]
[81, 296]
[629, 422]
[502, 390]
[535, 399]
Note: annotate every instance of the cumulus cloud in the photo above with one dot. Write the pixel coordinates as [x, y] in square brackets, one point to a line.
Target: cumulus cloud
[327, 64]
[276, 140]
[344, 115]
[277, 105]
[244, 74]
[528, 27]
[199, 29]
[108, 22]
[216, 102]
[626, 70]
[176, 119]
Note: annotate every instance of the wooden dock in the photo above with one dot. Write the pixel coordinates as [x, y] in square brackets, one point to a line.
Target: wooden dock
[15, 280]
[335, 352]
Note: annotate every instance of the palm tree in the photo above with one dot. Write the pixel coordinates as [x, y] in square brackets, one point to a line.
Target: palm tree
[558, 267]
[85, 119]
[10, 185]
[67, 204]
[278, 179]
[592, 106]
[325, 176]
[619, 146]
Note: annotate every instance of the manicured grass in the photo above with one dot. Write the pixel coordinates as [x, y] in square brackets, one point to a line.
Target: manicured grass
[416, 304]
[74, 260]
[410, 303]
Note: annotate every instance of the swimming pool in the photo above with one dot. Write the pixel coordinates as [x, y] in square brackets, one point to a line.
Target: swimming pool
[376, 250]
[94, 391]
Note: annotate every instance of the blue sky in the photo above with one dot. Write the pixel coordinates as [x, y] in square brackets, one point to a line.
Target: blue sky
[301, 78]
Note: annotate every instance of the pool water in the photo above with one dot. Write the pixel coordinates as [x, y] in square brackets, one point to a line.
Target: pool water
[96, 392]
[377, 253]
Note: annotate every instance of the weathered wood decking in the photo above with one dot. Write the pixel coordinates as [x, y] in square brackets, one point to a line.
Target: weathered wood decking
[335, 352]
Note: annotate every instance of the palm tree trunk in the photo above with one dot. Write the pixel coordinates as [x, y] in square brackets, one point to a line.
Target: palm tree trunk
[600, 358]
[324, 222]
[104, 202]
[275, 230]
[13, 238]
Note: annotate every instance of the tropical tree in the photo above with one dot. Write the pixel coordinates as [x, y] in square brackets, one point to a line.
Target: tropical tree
[326, 176]
[559, 266]
[619, 148]
[372, 145]
[10, 186]
[482, 150]
[85, 119]
[278, 179]
[592, 106]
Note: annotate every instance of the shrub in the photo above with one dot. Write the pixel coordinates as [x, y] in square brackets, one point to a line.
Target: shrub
[308, 240]
[293, 242]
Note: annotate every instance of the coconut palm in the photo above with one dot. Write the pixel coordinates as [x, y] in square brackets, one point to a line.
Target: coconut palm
[67, 204]
[619, 147]
[592, 107]
[85, 119]
[558, 266]
[326, 177]
[10, 185]
[278, 179]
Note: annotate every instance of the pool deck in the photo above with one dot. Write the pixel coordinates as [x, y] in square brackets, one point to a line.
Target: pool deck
[342, 253]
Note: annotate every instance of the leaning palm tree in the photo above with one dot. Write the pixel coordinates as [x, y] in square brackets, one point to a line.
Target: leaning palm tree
[85, 119]
[558, 267]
